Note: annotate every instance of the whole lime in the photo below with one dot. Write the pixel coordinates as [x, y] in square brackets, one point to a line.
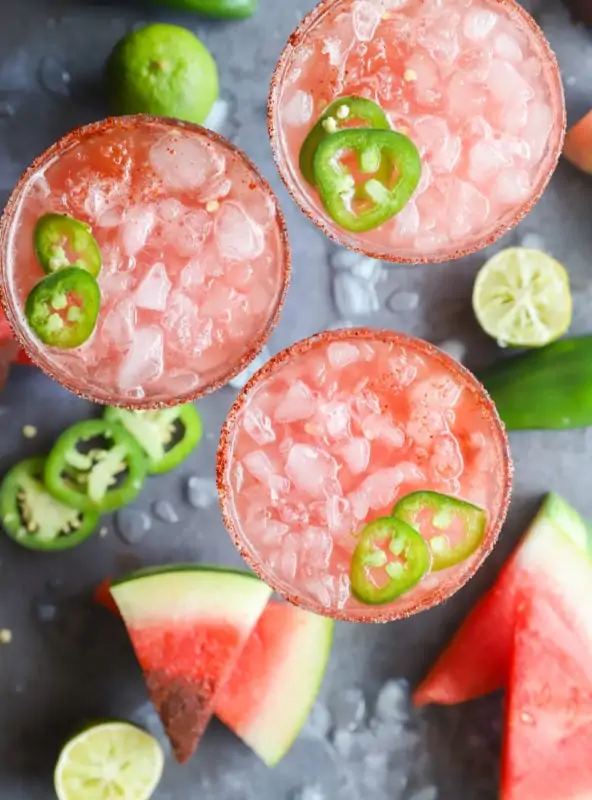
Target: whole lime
[163, 70]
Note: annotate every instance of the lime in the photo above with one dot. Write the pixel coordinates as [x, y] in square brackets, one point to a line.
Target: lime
[163, 70]
[522, 298]
[111, 759]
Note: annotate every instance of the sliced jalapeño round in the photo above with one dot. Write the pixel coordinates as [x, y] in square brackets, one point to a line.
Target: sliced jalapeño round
[343, 114]
[62, 309]
[62, 241]
[96, 465]
[453, 528]
[34, 518]
[389, 560]
[365, 177]
[167, 436]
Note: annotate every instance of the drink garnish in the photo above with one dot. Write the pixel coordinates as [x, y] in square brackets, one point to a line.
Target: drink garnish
[452, 528]
[357, 194]
[62, 241]
[389, 560]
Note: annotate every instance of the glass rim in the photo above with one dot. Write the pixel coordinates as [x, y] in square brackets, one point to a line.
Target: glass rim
[248, 553]
[13, 316]
[347, 240]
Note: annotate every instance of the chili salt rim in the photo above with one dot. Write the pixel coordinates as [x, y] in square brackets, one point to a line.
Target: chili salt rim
[345, 240]
[225, 492]
[14, 318]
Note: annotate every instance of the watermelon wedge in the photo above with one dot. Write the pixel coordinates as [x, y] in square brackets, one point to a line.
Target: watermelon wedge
[578, 144]
[276, 679]
[549, 715]
[188, 626]
[477, 661]
[271, 690]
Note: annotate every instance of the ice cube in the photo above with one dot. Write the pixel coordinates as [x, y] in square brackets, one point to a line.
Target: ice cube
[506, 84]
[137, 225]
[194, 274]
[259, 465]
[258, 425]
[339, 516]
[512, 186]
[408, 221]
[288, 564]
[438, 391]
[425, 77]
[299, 109]
[201, 492]
[344, 742]
[218, 115]
[538, 128]
[354, 296]
[170, 209]
[466, 97]
[119, 323]
[356, 454]
[260, 203]
[190, 234]
[143, 362]
[380, 488]
[184, 162]
[344, 259]
[342, 354]
[479, 23]
[297, 404]
[487, 159]
[446, 463]
[400, 302]
[237, 235]
[468, 208]
[332, 48]
[274, 531]
[313, 792]
[153, 291]
[317, 546]
[403, 372]
[425, 424]
[427, 793]
[378, 426]
[441, 145]
[392, 703]
[320, 590]
[368, 269]
[348, 708]
[311, 469]
[455, 349]
[505, 46]
[319, 722]
[366, 18]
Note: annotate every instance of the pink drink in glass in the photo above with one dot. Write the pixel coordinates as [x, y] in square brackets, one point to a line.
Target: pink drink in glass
[473, 83]
[195, 258]
[329, 435]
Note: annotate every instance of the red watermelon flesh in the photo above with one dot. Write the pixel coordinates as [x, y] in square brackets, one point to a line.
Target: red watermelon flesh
[548, 742]
[274, 684]
[188, 626]
[578, 144]
[477, 660]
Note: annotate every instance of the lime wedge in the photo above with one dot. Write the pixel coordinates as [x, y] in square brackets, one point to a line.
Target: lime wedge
[112, 759]
[522, 298]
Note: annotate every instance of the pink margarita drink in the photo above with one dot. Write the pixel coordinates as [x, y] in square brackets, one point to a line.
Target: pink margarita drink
[472, 84]
[347, 429]
[184, 240]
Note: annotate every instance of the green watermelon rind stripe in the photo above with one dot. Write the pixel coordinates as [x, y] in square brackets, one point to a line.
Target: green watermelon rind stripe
[147, 572]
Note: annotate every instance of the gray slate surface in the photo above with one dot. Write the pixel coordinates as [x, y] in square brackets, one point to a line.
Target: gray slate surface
[69, 661]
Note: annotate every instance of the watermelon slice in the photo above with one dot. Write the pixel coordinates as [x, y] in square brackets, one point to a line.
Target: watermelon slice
[188, 626]
[578, 144]
[276, 680]
[477, 661]
[549, 719]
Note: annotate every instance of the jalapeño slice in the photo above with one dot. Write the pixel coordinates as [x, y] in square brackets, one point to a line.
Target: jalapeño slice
[453, 528]
[365, 177]
[62, 309]
[34, 518]
[167, 436]
[342, 114]
[62, 241]
[390, 559]
[96, 465]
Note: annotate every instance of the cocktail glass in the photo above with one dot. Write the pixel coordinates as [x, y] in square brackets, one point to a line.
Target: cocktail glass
[196, 259]
[333, 431]
[473, 83]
